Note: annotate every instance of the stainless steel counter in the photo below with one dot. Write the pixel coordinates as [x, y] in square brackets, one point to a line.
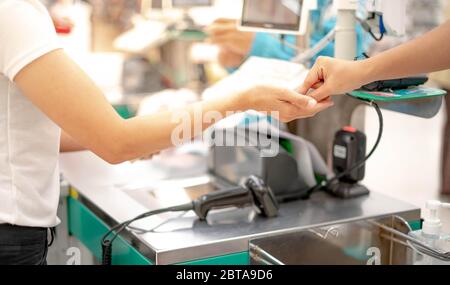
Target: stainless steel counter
[117, 193]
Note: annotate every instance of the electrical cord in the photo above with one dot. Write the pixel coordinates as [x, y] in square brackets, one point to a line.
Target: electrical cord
[327, 182]
[368, 29]
[115, 231]
[308, 54]
[379, 38]
[374, 148]
[141, 231]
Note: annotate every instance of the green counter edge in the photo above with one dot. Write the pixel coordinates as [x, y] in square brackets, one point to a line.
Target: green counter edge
[89, 229]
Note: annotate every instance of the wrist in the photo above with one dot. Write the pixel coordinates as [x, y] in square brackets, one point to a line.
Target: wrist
[368, 69]
[242, 101]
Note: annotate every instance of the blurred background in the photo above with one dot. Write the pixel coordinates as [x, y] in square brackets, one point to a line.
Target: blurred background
[135, 49]
[148, 56]
[151, 55]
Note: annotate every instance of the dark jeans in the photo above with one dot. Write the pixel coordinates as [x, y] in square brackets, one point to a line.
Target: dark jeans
[23, 245]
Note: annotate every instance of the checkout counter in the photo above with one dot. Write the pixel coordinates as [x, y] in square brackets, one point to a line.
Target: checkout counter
[102, 195]
[320, 230]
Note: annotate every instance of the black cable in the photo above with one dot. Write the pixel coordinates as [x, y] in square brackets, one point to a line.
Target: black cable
[116, 230]
[378, 39]
[286, 43]
[327, 182]
[364, 55]
[366, 26]
[374, 148]
[283, 42]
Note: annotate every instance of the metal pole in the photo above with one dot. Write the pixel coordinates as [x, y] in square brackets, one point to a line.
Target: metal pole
[345, 46]
[320, 130]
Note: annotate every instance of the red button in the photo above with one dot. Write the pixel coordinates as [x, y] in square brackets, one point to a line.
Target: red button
[63, 29]
[350, 129]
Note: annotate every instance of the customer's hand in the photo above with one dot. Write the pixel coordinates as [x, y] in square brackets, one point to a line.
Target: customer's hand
[147, 157]
[234, 44]
[331, 76]
[284, 104]
[225, 34]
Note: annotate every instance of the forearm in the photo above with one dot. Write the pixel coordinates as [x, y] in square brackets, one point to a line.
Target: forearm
[62, 91]
[153, 133]
[68, 97]
[428, 53]
[68, 144]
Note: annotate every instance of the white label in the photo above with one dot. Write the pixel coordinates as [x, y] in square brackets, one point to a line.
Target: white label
[340, 151]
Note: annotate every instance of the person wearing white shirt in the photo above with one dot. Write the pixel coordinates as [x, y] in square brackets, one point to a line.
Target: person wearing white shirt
[42, 91]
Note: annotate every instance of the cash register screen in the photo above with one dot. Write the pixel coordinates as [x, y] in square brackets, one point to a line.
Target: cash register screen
[272, 14]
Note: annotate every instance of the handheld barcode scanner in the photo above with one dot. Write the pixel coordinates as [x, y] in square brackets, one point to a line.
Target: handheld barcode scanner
[254, 192]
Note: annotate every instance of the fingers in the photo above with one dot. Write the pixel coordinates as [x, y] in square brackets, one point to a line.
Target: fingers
[317, 85]
[332, 77]
[314, 86]
[295, 106]
[321, 93]
[312, 79]
[287, 96]
[299, 100]
[322, 106]
[288, 112]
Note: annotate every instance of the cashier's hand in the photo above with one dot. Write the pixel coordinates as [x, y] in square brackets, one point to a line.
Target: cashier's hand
[331, 76]
[230, 60]
[234, 44]
[289, 104]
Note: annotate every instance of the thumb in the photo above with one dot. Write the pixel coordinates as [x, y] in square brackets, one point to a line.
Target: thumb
[321, 93]
[301, 101]
[310, 81]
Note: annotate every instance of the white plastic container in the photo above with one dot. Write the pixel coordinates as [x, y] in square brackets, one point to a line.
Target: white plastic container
[431, 235]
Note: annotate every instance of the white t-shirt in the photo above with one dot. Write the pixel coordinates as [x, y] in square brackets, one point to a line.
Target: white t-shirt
[29, 141]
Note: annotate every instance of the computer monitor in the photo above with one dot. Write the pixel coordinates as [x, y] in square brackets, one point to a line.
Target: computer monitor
[275, 16]
[191, 3]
